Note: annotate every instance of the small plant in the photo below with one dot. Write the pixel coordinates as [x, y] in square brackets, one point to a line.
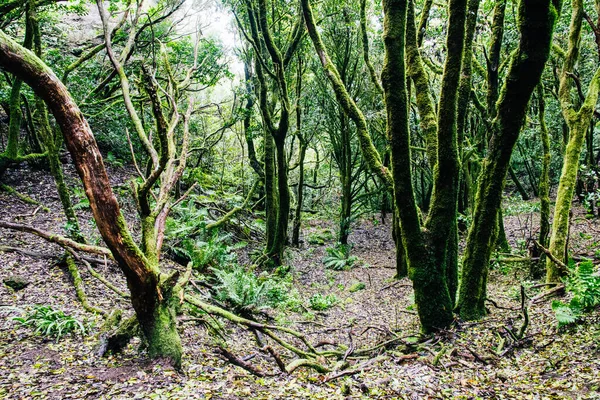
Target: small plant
[83, 203]
[318, 302]
[320, 237]
[50, 322]
[339, 258]
[211, 251]
[357, 287]
[585, 286]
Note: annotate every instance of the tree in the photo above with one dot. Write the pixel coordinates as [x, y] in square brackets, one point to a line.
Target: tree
[536, 24]
[426, 247]
[153, 294]
[578, 122]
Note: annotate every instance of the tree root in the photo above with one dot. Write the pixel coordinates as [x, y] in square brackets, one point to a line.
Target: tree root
[79, 287]
[115, 335]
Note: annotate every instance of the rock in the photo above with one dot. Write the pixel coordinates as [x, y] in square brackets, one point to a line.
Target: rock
[16, 282]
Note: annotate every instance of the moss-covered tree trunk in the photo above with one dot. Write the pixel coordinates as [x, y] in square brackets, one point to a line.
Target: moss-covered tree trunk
[344, 161]
[152, 295]
[578, 123]
[11, 152]
[283, 209]
[544, 187]
[299, 195]
[536, 23]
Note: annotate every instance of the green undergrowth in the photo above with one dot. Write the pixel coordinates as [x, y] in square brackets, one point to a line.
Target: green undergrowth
[47, 321]
[338, 258]
[583, 283]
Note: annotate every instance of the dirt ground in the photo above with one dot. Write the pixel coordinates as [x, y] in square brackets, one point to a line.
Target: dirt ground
[459, 363]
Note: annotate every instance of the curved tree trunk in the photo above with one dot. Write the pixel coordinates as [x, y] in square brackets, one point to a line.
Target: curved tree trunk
[151, 294]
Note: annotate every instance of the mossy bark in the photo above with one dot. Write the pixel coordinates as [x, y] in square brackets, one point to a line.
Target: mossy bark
[536, 23]
[299, 195]
[577, 122]
[425, 250]
[537, 269]
[49, 142]
[425, 104]
[11, 152]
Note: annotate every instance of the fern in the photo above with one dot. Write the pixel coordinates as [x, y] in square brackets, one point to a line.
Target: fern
[246, 293]
[564, 314]
[585, 286]
[339, 258]
[318, 302]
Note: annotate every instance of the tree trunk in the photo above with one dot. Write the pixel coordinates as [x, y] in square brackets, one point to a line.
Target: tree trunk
[537, 18]
[149, 296]
[577, 122]
[538, 269]
[299, 197]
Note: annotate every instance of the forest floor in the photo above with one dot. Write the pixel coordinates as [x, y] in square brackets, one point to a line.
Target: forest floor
[459, 363]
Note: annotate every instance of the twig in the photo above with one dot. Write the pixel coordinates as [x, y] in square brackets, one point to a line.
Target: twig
[394, 284]
[367, 365]
[501, 307]
[551, 256]
[240, 363]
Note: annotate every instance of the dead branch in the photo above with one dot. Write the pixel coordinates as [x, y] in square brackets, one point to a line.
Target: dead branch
[35, 254]
[79, 288]
[547, 293]
[501, 307]
[551, 256]
[367, 365]
[97, 275]
[394, 284]
[276, 357]
[241, 363]
[58, 239]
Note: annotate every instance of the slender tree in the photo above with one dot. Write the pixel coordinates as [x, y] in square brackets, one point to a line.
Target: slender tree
[578, 121]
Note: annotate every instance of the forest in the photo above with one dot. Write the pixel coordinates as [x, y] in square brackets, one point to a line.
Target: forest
[299, 199]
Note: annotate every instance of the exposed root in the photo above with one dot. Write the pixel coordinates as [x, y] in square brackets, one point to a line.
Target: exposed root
[115, 335]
